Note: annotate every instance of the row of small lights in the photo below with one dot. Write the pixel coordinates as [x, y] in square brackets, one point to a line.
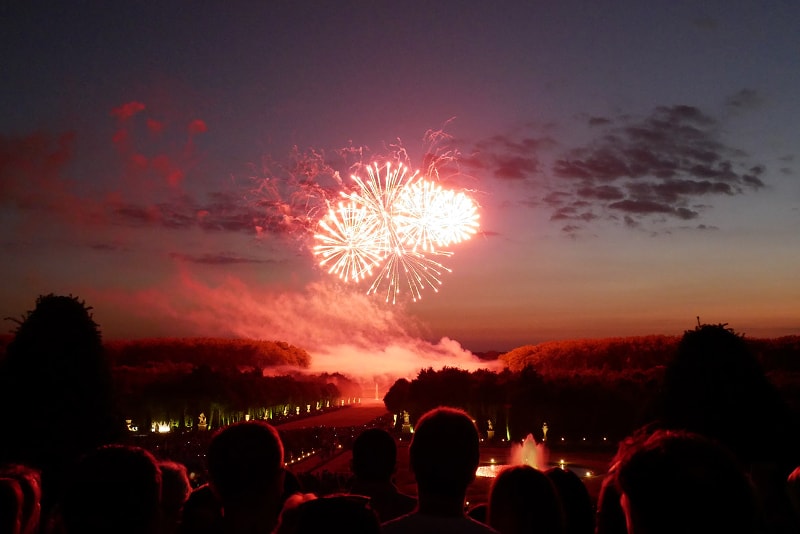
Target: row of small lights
[163, 428]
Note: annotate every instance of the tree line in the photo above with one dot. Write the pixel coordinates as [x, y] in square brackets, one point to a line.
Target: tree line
[590, 388]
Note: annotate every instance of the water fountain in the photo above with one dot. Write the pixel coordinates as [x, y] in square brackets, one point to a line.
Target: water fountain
[528, 452]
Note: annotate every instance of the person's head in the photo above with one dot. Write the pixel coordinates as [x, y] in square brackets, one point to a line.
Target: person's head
[11, 500]
[374, 455]
[305, 514]
[115, 488]
[676, 481]
[444, 452]
[175, 489]
[609, 517]
[523, 499]
[793, 490]
[245, 464]
[30, 484]
[575, 501]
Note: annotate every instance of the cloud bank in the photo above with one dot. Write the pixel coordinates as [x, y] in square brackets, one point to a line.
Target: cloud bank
[666, 166]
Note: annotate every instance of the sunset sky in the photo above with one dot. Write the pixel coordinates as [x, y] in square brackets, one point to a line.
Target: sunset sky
[634, 163]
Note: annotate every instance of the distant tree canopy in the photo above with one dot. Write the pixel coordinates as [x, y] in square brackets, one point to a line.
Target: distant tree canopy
[636, 353]
[617, 354]
[216, 353]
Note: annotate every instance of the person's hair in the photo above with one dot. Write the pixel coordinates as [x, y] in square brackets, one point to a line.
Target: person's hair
[11, 500]
[575, 501]
[374, 455]
[444, 452]
[115, 488]
[338, 512]
[245, 459]
[523, 499]
[175, 488]
[677, 481]
[30, 482]
[609, 516]
[793, 490]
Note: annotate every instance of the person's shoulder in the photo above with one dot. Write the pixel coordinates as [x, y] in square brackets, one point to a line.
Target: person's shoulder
[416, 523]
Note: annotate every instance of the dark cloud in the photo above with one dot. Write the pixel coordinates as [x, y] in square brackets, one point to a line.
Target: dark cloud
[651, 168]
[599, 121]
[222, 213]
[514, 168]
[215, 259]
[506, 158]
[603, 192]
[650, 207]
[744, 99]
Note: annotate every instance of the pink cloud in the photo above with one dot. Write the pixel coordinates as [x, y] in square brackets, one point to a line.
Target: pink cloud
[120, 137]
[155, 126]
[128, 110]
[197, 126]
[168, 171]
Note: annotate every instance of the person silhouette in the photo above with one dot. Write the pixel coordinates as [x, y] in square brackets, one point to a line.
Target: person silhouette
[115, 488]
[30, 484]
[175, 489]
[307, 514]
[373, 464]
[678, 481]
[523, 499]
[575, 501]
[245, 472]
[716, 387]
[444, 455]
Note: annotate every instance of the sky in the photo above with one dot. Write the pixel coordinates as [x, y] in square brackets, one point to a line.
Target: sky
[633, 164]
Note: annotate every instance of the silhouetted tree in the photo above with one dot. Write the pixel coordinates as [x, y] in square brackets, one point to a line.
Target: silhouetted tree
[56, 387]
[716, 387]
[396, 399]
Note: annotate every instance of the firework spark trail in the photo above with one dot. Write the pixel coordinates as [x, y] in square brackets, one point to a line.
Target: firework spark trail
[346, 242]
[394, 222]
[414, 268]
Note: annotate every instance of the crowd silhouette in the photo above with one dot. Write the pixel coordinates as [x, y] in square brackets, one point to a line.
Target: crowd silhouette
[696, 464]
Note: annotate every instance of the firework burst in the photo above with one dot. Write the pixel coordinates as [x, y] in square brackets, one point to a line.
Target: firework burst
[395, 223]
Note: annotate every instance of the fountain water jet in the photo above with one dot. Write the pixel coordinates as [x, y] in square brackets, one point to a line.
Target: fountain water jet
[528, 452]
